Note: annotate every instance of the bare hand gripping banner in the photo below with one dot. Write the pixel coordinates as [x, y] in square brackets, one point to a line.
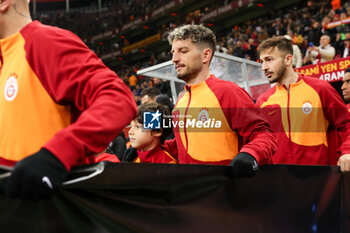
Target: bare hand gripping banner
[187, 198]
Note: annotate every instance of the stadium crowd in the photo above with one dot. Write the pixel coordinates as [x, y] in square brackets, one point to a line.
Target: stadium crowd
[242, 40]
[305, 32]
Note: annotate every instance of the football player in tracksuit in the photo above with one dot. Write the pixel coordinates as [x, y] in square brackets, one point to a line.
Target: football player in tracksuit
[215, 121]
[305, 113]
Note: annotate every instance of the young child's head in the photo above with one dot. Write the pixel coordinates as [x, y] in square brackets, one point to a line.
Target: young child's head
[147, 139]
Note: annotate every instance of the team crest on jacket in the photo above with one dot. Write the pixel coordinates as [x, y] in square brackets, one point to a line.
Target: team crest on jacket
[11, 88]
[203, 115]
[307, 107]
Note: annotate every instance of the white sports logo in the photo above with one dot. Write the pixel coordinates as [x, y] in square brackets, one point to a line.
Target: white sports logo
[11, 88]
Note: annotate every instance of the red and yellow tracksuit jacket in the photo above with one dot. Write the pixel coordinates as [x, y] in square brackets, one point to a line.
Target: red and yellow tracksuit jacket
[57, 94]
[156, 155]
[305, 120]
[216, 119]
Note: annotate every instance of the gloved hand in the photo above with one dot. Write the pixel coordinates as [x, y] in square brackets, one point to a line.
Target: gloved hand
[244, 165]
[35, 177]
[130, 154]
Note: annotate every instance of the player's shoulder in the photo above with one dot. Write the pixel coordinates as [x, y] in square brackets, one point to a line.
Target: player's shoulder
[215, 82]
[38, 33]
[266, 95]
[317, 84]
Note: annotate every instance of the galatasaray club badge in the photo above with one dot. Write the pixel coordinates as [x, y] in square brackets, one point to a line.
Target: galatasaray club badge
[307, 107]
[203, 115]
[11, 88]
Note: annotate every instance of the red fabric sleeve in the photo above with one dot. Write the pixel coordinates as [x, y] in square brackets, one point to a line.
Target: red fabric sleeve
[107, 157]
[171, 147]
[102, 105]
[246, 119]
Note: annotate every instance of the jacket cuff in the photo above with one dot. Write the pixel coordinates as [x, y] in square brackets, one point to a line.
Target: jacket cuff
[252, 153]
[64, 150]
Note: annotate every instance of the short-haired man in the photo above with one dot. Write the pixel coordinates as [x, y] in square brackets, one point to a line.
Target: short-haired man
[149, 95]
[346, 87]
[304, 112]
[242, 138]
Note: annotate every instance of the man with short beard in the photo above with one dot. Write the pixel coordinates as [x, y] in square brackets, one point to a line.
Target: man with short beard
[304, 112]
[216, 120]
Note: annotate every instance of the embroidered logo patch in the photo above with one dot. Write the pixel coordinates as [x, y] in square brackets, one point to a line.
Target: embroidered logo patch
[11, 88]
[203, 115]
[307, 107]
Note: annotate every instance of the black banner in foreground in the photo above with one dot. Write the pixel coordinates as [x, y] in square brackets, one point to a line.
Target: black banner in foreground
[187, 198]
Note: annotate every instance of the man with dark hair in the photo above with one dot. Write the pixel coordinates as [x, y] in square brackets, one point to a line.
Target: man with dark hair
[304, 112]
[165, 100]
[60, 104]
[214, 117]
[346, 87]
[149, 94]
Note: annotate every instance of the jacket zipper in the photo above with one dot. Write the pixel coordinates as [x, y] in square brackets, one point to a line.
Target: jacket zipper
[185, 117]
[1, 61]
[288, 114]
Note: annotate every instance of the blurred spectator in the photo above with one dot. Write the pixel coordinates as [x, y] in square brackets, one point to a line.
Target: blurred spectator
[329, 31]
[149, 94]
[165, 100]
[162, 85]
[344, 46]
[250, 50]
[315, 32]
[324, 52]
[220, 47]
[239, 50]
[297, 58]
[133, 81]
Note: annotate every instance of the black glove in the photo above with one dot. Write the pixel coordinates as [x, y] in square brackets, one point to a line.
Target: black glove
[35, 176]
[130, 154]
[244, 165]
